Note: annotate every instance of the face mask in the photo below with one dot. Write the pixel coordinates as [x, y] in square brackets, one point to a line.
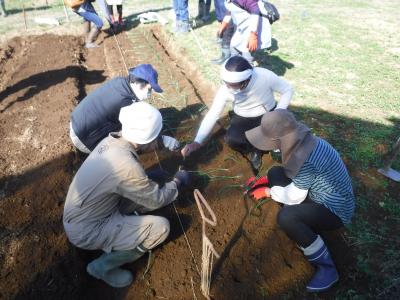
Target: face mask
[141, 93]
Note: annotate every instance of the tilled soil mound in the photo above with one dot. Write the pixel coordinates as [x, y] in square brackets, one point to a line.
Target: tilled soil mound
[42, 79]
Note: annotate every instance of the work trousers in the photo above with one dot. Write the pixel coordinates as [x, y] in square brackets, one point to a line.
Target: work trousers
[302, 222]
[87, 11]
[2, 8]
[235, 136]
[119, 232]
[181, 10]
[219, 8]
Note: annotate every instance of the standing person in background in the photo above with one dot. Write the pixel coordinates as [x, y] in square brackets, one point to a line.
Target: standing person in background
[105, 11]
[92, 23]
[312, 183]
[251, 91]
[204, 11]
[252, 31]
[181, 9]
[118, 3]
[3, 12]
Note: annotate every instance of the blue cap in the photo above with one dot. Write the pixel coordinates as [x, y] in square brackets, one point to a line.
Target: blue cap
[148, 73]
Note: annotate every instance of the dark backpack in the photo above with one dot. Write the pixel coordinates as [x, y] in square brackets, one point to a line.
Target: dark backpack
[269, 11]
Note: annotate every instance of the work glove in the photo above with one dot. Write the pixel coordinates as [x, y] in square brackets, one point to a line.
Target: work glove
[182, 178]
[170, 143]
[253, 182]
[189, 148]
[157, 175]
[252, 43]
[262, 192]
[222, 28]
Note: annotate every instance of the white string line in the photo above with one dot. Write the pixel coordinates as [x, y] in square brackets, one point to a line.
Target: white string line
[180, 223]
[194, 294]
[120, 51]
[186, 238]
[159, 163]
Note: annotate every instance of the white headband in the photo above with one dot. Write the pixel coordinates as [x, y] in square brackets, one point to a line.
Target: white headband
[235, 77]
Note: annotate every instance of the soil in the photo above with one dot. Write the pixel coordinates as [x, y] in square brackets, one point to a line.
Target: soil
[39, 88]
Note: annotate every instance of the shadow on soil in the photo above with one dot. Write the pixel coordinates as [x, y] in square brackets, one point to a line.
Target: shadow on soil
[42, 81]
[67, 279]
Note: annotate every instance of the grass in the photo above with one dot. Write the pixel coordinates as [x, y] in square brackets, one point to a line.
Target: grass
[342, 57]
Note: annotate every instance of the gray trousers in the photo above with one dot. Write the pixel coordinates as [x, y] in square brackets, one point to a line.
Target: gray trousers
[119, 232]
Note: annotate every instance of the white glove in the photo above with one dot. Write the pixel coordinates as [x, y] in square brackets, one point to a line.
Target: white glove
[170, 143]
[289, 195]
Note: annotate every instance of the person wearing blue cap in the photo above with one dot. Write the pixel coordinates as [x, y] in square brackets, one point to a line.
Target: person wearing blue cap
[97, 114]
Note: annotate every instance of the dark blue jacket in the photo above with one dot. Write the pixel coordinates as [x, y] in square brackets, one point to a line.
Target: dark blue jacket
[97, 114]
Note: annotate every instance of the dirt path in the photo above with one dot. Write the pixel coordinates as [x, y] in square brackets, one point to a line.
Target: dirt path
[38, 90]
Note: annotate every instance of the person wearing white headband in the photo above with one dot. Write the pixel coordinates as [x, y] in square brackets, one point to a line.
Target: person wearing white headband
[251, 91]
[111, 189]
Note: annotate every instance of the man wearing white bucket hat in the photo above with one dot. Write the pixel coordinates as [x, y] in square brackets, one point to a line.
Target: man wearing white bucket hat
[251, 91]
[111, 188]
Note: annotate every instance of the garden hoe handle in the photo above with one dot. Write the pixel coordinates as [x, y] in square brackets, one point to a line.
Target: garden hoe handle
[200, 200]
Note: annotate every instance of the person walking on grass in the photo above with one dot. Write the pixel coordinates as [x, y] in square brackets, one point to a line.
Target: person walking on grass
[312, 184]
[92, 23]
[251, 91]
[97, 114]
[111, 189]
[181, 10]
[119, 22]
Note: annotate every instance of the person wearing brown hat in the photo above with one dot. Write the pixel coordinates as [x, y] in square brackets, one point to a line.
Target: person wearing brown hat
[312, 184]
[251, 92]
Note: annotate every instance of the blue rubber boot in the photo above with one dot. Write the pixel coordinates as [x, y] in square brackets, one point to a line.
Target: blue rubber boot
[106, 267]
[325, 275]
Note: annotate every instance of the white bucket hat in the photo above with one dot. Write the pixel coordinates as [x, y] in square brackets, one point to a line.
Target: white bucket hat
[141, 123]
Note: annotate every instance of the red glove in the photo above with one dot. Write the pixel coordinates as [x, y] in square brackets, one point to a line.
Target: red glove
[252, 182]
[253, 42]
[262, 192]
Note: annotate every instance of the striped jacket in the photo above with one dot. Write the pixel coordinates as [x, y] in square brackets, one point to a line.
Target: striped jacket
[325, 177]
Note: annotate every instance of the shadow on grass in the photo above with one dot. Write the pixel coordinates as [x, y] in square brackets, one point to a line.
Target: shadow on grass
[362, 145]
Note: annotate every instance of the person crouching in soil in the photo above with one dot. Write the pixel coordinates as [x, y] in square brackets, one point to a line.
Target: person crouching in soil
[312, 184]
[97, 114]
[251, 91]
[109, 191]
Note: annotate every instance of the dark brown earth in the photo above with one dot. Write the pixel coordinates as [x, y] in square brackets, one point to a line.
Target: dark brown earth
[42, 79]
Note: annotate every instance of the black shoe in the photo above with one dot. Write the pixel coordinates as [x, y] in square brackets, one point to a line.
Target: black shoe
[256, 159]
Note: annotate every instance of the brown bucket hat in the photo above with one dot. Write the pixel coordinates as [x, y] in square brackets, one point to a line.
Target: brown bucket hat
[280, 130]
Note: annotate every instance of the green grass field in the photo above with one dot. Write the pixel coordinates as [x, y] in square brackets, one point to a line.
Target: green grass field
[343, 58]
